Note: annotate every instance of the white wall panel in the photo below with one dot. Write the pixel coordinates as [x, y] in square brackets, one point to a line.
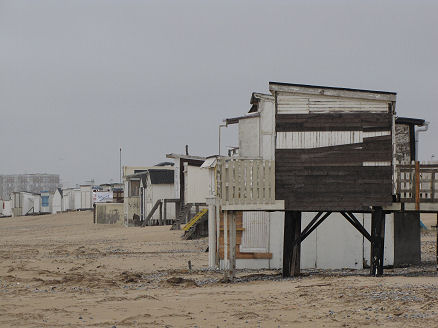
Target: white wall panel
[196, 184]
[308, 254]
[255, 236]
[249, 137]
[303, 104]
[315, 139]
[339, 244]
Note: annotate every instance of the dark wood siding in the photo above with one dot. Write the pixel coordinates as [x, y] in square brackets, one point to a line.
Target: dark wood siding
[334, 178]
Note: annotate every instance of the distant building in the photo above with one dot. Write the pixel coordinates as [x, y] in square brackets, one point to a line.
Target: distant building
[34, 183]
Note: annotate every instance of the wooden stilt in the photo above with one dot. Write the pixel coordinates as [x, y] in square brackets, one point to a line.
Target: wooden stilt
[233, 245]
[161, 213]
[165, 211]
[291, 250]
[377, 241]
[226, 264]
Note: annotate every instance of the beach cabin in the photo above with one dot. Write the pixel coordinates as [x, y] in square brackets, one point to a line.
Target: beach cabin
[86, 197]
[24, 203]
[57, 201]
[308, 153]
[192, 190]
[46, 202]
[67, 199]
[77, 199]
[5, 208]
[150, 196]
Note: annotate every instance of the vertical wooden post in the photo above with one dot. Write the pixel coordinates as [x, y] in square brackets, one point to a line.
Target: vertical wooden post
[165, 211]
[161, 213]
[377, 241]
[211, 202]
[417, 185]
[218, 232]
[436, 227]
[233, 245]
[226, 243]
[177, 215]
[291, 251]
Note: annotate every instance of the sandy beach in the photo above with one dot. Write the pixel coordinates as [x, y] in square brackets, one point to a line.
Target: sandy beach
[64, 271]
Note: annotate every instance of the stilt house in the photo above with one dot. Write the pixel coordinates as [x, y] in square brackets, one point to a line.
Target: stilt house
[307, 153]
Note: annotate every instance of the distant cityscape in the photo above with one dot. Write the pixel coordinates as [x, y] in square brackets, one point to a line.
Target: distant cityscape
[34, 183]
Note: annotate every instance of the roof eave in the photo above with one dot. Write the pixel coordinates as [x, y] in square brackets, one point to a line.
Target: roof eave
[332, 91]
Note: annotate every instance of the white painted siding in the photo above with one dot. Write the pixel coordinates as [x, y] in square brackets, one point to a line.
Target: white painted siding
[6, 209]
[156, 192]
[56, 202]
[315, 139]
[27, 203]
[304, 104]
[249, 137]
[196, 184]
[376, 163]
[86, 194]
[335, 244]
[77, 199]
[267, 129]
[255, 236]
[36, 203]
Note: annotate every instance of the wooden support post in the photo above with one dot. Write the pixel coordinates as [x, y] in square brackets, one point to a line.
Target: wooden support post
[291, 250]
[226, 245]
[161, 213]
[211, 202]
[164, 211]
[177, 215]
[233, 245]
[218, 232]
[417, 185]
[436, 227]
[377, 241]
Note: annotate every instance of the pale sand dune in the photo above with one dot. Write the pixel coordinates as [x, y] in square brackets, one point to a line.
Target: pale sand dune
[61, 270]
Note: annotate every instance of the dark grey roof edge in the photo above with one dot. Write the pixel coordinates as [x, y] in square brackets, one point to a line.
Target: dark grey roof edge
[409, 120]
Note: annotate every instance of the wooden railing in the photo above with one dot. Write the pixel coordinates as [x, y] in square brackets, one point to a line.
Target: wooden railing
[426, 188]
[245, 181]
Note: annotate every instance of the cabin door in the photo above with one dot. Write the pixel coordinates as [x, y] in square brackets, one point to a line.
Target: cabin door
[255, 235]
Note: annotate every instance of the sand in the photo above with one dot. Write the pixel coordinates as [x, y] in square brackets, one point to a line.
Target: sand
[63, 271]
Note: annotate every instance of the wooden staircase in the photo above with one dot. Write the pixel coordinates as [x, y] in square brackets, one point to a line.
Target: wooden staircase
[190, 228]
[185, 210]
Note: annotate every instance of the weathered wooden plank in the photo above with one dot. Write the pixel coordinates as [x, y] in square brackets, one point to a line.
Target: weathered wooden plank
[333, 122]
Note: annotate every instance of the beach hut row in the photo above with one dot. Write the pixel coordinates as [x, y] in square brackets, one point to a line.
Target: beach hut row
[23, 203]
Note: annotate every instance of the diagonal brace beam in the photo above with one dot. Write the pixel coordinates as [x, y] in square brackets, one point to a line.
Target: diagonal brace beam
[317, 216]
[355, 223]
[311, 226]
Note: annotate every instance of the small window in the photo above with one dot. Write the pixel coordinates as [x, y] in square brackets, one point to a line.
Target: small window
[134, 186]
[45, 201]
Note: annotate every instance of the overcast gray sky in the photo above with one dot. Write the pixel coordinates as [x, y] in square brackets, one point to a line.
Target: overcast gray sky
[79, 79]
